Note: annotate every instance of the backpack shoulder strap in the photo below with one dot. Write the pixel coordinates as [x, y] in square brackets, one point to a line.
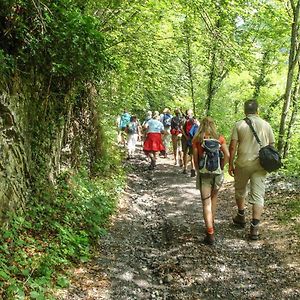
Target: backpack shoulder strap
[248, 121]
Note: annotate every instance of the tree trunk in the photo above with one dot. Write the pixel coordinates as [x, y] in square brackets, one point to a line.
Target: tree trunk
[210, 86]
[218, 70]
[190, 65]
[260, 80]
[192, 90]
[293, 60]
[14, 161]
[293, 116]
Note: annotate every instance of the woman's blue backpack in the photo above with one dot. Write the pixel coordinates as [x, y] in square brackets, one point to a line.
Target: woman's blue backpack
[210, 162]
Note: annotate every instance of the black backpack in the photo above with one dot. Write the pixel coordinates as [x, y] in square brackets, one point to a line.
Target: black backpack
[210, 162]
[269, 157]
[176, 122]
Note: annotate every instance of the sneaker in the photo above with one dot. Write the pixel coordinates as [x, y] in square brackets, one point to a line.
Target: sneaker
[193, 173]
[184, 171]
[239, 220]
[209, 239]
[254, 232]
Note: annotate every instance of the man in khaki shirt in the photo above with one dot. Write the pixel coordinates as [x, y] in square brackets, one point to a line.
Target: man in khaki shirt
[247, 168]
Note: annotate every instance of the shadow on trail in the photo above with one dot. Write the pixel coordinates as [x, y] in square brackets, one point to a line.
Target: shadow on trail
[154, 247]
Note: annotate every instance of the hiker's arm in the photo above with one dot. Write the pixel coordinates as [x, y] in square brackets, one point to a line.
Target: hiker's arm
[140, 131]
[183, 131]
[225, 151]
[196, 158]
[232, 151]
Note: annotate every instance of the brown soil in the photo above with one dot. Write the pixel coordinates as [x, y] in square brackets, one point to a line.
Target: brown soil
[154, 248]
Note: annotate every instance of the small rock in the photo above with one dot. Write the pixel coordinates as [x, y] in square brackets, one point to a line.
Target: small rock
[168, 278]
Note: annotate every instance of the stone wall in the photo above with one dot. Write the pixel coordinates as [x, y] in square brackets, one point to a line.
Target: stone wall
[43, 133]
[14, 172]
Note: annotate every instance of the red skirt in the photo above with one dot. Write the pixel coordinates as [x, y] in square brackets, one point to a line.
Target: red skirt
[153, 142]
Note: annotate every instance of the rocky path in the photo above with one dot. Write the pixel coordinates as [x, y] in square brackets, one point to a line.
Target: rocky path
[154, 247]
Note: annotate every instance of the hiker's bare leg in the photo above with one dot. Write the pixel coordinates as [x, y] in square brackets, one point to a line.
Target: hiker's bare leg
[240, 203]
[155, 156]
[214, 201]
[192, 162]
[185, 157]
[207, 206]
[179, 150]
[174, 143]
[180, 155]
[257, 211]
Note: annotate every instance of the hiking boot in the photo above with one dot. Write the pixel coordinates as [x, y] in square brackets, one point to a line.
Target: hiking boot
[180, 163]
[254, 232]
[209, 239]
[193, 173]
[184, 171]
[239, 220]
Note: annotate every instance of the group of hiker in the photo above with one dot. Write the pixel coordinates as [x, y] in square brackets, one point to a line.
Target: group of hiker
[198, 142]
[157, 132]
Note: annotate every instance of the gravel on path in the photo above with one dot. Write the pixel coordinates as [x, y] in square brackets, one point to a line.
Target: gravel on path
[154, 248]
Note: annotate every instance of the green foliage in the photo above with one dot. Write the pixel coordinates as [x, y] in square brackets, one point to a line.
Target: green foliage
[84, 43]
[55, 38]
[6, 64]
[291, 212]
[292, 162]
[250, 41]
[55, 232]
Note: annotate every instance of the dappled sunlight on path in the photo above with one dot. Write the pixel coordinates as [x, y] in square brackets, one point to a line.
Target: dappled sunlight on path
[154, 247]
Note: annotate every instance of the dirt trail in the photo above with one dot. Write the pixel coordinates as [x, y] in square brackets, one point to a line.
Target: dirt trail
[154, 247]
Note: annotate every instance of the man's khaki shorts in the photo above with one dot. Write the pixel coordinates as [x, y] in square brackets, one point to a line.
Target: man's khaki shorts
[256, 175]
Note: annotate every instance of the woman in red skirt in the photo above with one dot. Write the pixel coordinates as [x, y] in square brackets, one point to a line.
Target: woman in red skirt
[153, 142]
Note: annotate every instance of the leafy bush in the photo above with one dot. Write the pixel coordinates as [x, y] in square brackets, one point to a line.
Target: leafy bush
[291, 212]
[54, 233]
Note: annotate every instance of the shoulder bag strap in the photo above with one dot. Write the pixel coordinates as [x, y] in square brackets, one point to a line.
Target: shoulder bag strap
[248, 121]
